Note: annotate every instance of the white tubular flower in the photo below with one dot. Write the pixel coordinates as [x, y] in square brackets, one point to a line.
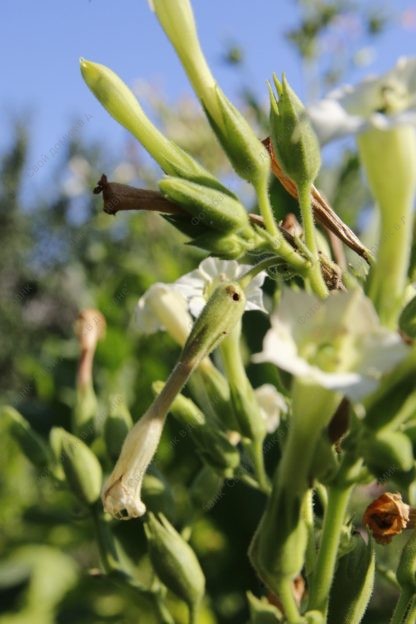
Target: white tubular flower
[381, 102]
[196, 286]
[271, 404]
[338, 343]
[121, 492]
[162, 307]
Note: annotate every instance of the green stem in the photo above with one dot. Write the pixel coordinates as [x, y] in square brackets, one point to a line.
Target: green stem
[193, 613]
[338, 499]
[244, 402]
[255, 449]
[404, 612]
[285, 593]
[105, 541]
[280, 245]
[310, 555]
[315, 276]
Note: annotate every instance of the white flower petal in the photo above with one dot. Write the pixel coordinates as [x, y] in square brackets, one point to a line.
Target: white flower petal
[349, 110]
[162, 307]
[195, 285]
[361, 350]
[271, 404]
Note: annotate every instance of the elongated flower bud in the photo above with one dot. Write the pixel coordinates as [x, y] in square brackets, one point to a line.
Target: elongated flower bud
[293, 137]
[121, 103]
[121, 493]
[174, 561]
[353, 584]
[208, 206]
[206, 488]
[246, 153]
[30, 443]
[81, 467]
[406, 571]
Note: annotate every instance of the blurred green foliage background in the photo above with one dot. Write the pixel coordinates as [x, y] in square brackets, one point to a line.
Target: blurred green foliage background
[60, 253]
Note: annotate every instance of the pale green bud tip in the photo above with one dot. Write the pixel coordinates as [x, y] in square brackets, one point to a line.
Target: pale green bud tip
[81, 467]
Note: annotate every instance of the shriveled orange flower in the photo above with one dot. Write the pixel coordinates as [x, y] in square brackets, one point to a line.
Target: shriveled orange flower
[387, 516]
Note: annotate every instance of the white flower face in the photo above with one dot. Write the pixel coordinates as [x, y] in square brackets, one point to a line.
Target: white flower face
[381, 102]
[197, 286]
[337, 343]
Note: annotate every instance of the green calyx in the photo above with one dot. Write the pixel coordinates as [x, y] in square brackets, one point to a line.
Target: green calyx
[293, 137]
[209, 207]
[174, 561]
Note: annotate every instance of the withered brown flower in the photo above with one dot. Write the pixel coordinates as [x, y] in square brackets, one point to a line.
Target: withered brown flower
[387, 516]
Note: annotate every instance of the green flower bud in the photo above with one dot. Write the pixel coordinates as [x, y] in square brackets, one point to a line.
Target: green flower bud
[353, 584]
[262, 612]
[81, 467]
[246, 152]
[208, 206]
[220, 315]
[205, 488]
[30, 443]
[121, 103]
[116, 426]
[229, 247]
[406, 571]
[278, 546]
[293, 138]
[385, 450]
[407, 319]
[174, 561]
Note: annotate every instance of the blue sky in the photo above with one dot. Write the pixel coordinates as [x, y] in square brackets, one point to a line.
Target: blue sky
[42, 42]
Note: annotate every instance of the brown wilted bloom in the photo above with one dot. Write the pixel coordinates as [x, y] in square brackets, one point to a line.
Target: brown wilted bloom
[89, 329]
[388, 516]
[118, 197]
